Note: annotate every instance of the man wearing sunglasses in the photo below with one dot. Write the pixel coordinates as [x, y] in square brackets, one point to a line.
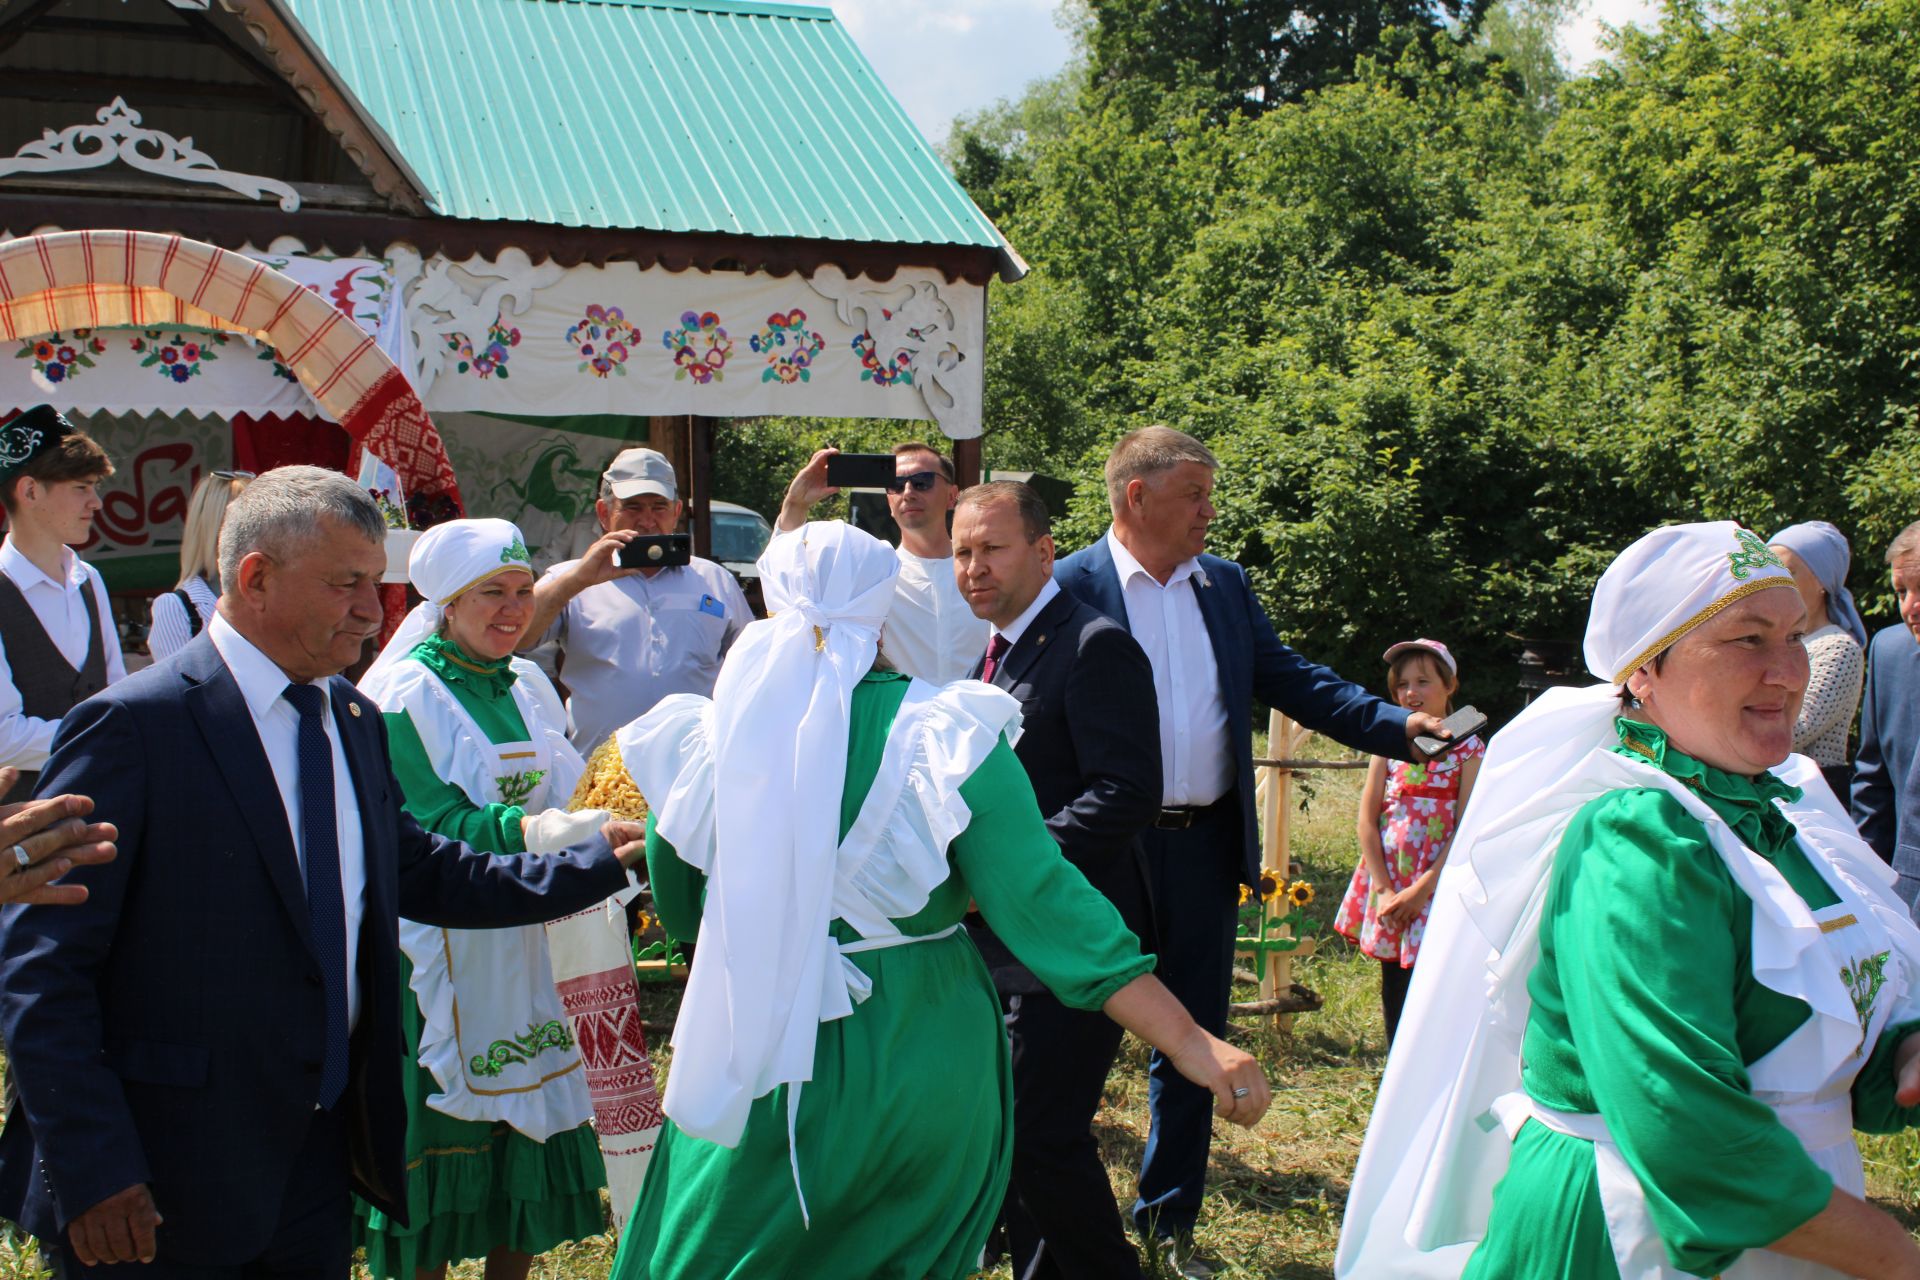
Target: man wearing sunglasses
[931, 632]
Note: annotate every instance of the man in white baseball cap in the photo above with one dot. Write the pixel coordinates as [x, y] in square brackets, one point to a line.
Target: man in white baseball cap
[630, 637]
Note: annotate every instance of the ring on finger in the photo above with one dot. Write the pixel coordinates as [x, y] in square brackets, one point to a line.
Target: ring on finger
[21, 858]
[1241, 1092]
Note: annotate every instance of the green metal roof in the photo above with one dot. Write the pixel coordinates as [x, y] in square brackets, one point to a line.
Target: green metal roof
[737, 116]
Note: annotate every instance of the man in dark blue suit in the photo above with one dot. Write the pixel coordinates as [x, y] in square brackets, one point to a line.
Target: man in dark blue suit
[1090, 742]
[1213, 652]
[1890, 726]
[207, 1051]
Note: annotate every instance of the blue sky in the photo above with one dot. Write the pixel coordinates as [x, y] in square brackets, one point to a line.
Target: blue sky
[944, 57]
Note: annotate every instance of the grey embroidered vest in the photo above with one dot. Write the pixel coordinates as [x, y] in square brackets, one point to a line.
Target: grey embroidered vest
[49, 686]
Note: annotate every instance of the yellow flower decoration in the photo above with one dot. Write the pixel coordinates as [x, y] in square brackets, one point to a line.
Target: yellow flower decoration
[642, 922]
[1300, 893]
[1244, 895]
[1270, 883]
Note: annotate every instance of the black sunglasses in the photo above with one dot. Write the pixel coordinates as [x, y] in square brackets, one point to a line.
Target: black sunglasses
[922, 482]
[233, 475]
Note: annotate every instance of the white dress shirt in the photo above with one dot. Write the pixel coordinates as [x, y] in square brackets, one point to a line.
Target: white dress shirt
[171, 628]
[262, 683]
[62, 610]
[931, 634]
[1018, 627]
[1196, 758]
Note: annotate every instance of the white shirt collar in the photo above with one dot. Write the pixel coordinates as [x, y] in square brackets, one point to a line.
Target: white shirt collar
[1127, 568]
[28, 574]
[260, 678]
[1018, 627]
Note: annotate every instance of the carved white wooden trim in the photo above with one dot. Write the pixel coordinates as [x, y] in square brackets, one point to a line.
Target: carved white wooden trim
[446, 298]
[915, 318]
[119, 136]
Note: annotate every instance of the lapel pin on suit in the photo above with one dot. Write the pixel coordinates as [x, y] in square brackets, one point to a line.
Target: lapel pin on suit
[353, 709]
[1039, 640]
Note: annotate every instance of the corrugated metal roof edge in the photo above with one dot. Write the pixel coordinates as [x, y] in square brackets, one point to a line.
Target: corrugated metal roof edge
[751, 8]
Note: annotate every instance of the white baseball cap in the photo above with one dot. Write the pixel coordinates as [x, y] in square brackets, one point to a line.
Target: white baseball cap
[635, 471]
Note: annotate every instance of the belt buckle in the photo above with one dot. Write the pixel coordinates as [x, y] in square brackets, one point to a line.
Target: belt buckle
[1176, 819]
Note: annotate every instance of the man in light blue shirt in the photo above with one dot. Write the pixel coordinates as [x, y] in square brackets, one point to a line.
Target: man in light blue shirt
[630, 637]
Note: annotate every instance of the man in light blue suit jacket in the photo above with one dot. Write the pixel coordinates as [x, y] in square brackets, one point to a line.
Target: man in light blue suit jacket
[1213, 653]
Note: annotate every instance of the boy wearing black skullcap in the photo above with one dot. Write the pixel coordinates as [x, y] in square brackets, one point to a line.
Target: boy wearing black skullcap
[58, 645]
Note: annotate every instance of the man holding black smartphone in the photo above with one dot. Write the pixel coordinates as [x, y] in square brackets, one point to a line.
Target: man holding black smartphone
[930, 634]
[628, 637]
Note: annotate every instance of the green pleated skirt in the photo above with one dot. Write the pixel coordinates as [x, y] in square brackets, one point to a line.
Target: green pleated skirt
[476, 1186]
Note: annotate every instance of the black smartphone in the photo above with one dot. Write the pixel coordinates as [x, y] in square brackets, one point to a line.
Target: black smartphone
[657, 551]
[1463, 724]
[861, 470]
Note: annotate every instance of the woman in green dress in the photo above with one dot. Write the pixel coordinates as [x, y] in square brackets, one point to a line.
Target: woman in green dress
[502, 1163]
[840, 1098]
[1674, 981]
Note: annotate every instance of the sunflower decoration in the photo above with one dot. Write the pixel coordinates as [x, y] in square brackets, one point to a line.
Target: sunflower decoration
[1300, 894]
[1270, 883]
[642, 921]
[1245, 893]
[607, 785]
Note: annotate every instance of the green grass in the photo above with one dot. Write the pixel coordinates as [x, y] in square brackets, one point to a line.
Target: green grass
[1275, 1192]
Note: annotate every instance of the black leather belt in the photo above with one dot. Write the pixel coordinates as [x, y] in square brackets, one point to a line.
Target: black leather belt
[1178, 818]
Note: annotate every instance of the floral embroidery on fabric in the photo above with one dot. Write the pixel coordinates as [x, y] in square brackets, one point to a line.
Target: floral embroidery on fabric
[279, 370]
[1864, 981]
[58, 358]
[516, 787]
[1418, 815]
[604, 340]
[522, 1049]
[180, 357]
[1753, 554]
[491, 357]
[700, 347]
[515, 552]
[789, 347]
[895, 370]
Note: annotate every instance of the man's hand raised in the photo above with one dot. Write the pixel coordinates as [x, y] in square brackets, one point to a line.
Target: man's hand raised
[120, 1228]
[808, 487]
[52, 835]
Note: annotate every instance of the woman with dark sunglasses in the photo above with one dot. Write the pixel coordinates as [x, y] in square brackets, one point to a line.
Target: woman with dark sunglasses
[179, 614]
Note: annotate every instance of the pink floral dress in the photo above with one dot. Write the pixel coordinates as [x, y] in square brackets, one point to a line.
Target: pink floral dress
[1417, 818]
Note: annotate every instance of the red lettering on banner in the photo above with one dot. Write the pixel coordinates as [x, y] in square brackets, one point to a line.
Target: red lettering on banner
[126, 517]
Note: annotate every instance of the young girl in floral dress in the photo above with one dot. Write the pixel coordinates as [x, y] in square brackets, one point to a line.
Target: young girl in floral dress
[1408, 814]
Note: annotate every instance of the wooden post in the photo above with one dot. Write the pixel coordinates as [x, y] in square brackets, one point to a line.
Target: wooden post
[966, 463]
[1284, 739]
[700, 509]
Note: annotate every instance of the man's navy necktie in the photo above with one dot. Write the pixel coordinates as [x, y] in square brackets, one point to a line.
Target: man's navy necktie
[996, 654]
[326, 905]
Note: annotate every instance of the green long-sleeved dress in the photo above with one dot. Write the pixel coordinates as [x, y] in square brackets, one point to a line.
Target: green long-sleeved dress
[1646, 1012]
[472, 1186]
[905, 1132]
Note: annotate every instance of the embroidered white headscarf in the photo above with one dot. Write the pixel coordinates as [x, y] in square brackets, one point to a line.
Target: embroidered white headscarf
[1432, 1154]
[448, 560]
[779, 733]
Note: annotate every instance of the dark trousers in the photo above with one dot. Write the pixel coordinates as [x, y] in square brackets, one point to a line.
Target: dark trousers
[1061, 1223]
[1394, 982]
[1195, 874]
[312, 1242]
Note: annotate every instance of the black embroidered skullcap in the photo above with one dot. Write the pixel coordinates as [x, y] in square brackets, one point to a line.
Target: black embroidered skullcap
[28, 436]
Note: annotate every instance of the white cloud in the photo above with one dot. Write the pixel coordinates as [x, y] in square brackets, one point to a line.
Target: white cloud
[942, 59]
[1580, 37]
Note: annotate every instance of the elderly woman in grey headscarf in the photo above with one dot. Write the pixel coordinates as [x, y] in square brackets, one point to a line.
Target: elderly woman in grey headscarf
[1817, 555]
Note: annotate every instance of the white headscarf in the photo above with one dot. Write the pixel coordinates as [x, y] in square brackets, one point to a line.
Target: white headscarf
[447, 560]
[780, 725]
[1426, 1173]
